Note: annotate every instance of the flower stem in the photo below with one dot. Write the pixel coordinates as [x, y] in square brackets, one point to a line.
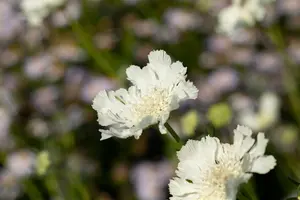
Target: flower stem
[172, 132]
[289, 81]
[32, 190]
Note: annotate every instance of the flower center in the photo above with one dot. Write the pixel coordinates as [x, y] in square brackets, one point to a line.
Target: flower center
[224, 174]
[153, 104]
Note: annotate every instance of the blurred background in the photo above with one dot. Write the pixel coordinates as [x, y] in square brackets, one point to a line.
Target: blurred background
[54, 62]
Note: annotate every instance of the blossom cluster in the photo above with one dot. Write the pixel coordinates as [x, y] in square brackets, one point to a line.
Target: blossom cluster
[241, 13]
[36, 11]
[53, 82]
[207, 169]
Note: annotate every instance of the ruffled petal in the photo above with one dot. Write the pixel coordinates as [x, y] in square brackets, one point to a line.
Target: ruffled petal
[105, 136]
[204, 151]
[186, 90]
[174, 74]
[182, 188]
[101, 104]
[141, 78]
[242, 140]
[120, 132]
[159, 57]
[163, 119]
[263, 165]
[260, 146]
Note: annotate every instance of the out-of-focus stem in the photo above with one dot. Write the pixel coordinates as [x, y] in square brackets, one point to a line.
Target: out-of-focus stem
[288, 75]
[172, 132]
[32, 191]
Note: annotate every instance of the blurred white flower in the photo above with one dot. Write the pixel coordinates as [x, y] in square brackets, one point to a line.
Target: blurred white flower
[157, 89]
[267, 115]
[21, 163]
[145, 28]
[182, 19]
[288, 7]
[210, 170]
[45, 99]
[217, 83]
[9, 185]
[241, 13]
[10, 21]
[166, 34]
[38, 128]
[36, 67]
[35, 11]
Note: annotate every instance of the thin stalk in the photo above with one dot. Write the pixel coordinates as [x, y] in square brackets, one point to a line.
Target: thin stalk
[32, 191]
[172, 132]
[288, 75]
[86, 41]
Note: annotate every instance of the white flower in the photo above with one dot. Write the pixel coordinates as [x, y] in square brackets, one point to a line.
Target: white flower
[157, 89]
[10, 187]
[241, 13]
[35, 11]
[267, 115]
[21, 163]
[210, 170]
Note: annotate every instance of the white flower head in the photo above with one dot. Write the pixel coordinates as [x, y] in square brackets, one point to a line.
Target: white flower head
[21, 163]
[157, 89]
[241, 13]
[35, 11]
[266, 116]
[210, 170]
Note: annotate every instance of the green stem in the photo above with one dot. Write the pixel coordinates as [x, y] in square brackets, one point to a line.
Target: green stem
[86, 42]
[78, 186]
[172, 132]
[288, 74]
[32, 191]
[251, 190]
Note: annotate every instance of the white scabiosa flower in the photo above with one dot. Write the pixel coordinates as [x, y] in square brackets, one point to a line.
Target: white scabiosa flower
[35, 11]
[157, 89]
[210, 170]
[241, 13]
[266, 116]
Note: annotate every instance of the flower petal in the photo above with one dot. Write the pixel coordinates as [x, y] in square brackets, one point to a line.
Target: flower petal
[203, 151]
[182, 188]
[263, 165]
[137, 76]
[260, 146]
[159, 57]
[186, 90]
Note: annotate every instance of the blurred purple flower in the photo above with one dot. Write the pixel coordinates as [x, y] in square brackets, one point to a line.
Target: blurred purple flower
[21, 163]
[181, 19]
[9, 185]
[45, 99]
[154, 176]
[93, 85]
